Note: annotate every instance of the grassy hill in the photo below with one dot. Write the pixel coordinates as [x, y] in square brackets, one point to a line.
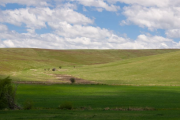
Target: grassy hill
[105, 66]
[160, 69]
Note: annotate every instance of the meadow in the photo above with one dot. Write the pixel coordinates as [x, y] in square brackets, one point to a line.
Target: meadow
[110, 84]
[97, 102]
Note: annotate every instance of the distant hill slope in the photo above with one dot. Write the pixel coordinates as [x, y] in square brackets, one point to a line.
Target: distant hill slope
[107, 66]
[162, 69]
[22, 58]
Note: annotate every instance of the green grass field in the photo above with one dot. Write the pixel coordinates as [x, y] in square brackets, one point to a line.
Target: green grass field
[89, 115]
[117, 84]
[90, 101]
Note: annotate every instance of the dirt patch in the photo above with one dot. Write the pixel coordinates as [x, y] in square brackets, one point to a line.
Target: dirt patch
[58, 79]
[33, 69]
[66, 79]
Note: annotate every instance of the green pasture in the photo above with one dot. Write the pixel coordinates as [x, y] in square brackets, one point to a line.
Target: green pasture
[100, 96]
[160, 70]
[90, 101]
[115, 67]
[89, 115]
[22, 59]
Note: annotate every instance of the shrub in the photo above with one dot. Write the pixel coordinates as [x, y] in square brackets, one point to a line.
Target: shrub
[7, 94]
[66, 105]
[28, 105]
[72, 80]
[54, 69]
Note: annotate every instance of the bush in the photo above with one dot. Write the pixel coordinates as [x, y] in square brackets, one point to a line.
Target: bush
[72, 80]
[28, 105]
[66, 105]
[7, 94]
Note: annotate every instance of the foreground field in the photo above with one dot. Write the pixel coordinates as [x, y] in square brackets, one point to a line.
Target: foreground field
[89, 115]
[100, 96]
[97, 102]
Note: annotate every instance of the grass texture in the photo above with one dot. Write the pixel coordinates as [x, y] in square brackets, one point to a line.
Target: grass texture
[91, 101]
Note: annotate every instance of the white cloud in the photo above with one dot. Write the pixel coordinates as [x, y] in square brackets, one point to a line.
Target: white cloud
[149, 3]
[154, 42]
[173, 33]
[9, 43]
[73, 30]
[98, 4]
[111, 41]
[117, 40]
[36, 18]
[67, 30]
[3, 28]
[26, 2]
[153, 14]
[153, 18]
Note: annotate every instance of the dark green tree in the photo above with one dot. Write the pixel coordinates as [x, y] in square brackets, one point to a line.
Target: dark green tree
[7, 94]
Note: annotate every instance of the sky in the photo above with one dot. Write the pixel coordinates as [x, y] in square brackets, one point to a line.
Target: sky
[90, 24]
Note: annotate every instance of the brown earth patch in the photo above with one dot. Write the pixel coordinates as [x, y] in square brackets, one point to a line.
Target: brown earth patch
[66, 79]
[58, 79]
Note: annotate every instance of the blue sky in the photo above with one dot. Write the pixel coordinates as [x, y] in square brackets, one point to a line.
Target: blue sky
[90, 24]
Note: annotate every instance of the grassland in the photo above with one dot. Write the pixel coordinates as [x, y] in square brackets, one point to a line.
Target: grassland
[102, 66]
[122, 84]
[91, 101]
[89, 115]
[100, 96]
[159, 70]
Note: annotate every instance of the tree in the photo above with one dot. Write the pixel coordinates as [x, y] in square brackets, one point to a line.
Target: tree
[72, 80]
[7, 94]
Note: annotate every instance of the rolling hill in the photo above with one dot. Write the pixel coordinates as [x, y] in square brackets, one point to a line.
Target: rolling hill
[130, 67]
[162, 69]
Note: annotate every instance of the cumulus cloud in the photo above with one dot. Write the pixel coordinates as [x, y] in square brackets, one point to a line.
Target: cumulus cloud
[155, 42]
[153, 14]
[173, 33]
[73, 30]
[36, 18]
[3, 28]
[26, 2]
[98, 4]
[152, 18]
[67, 30]
[111, 41]
[149, 3]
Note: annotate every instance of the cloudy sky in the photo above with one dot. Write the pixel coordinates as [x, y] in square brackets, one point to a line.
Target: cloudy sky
[90, 24]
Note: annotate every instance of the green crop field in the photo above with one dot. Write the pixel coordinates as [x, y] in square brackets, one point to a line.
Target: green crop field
[109, 84]
[97, 102]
